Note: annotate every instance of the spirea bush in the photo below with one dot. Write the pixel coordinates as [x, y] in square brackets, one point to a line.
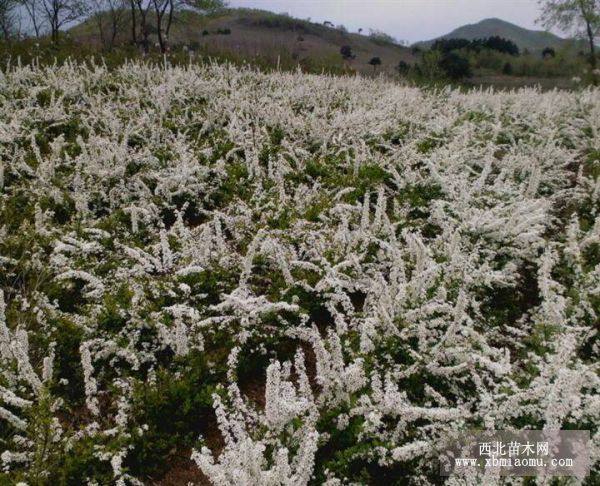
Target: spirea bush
[284, 279]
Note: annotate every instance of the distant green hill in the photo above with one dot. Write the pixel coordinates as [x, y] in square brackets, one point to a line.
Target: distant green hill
[257, 34]
[533, 40]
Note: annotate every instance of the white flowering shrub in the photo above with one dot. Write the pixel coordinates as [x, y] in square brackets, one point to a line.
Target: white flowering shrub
[286, 279]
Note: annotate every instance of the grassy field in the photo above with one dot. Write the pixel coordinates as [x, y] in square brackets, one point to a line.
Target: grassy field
[499, 82]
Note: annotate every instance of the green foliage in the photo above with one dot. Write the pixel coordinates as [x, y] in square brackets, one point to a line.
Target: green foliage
[346, 52]
[212, 283]
[184, 395]
[82, 463]
[375, 61]
[67, 363]
[40, 429]
[403, 68]
[235, 185]
[455, 67]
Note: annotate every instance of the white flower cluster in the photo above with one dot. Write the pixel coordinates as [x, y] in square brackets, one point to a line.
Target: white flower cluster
[354, 271]
[243, 459]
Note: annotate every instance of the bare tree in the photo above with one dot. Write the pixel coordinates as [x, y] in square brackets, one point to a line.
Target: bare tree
[160, 7]
[116, 11]
[9, 19]
[58, 13]
[133, 22]
[165, 13]
[109, 16]
[581, 17]
[143, 7]
[166, 10]
[98, 17]
[33, 7]
[172, 6]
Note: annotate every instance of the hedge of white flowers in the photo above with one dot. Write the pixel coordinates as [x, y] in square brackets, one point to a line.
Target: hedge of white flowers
[287, 279]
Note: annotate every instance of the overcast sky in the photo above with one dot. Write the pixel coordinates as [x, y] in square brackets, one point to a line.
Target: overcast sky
[411, 20]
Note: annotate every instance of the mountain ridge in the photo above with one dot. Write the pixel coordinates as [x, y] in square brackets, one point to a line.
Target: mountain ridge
[532, 40]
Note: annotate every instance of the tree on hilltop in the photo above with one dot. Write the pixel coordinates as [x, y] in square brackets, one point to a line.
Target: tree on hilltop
[582, 17]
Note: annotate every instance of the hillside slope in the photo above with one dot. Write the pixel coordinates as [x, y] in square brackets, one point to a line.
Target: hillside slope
[533, 40]
[261, 34]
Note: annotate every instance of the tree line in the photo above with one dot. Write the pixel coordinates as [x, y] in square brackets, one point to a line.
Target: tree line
[494, 43]
[22, 18]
